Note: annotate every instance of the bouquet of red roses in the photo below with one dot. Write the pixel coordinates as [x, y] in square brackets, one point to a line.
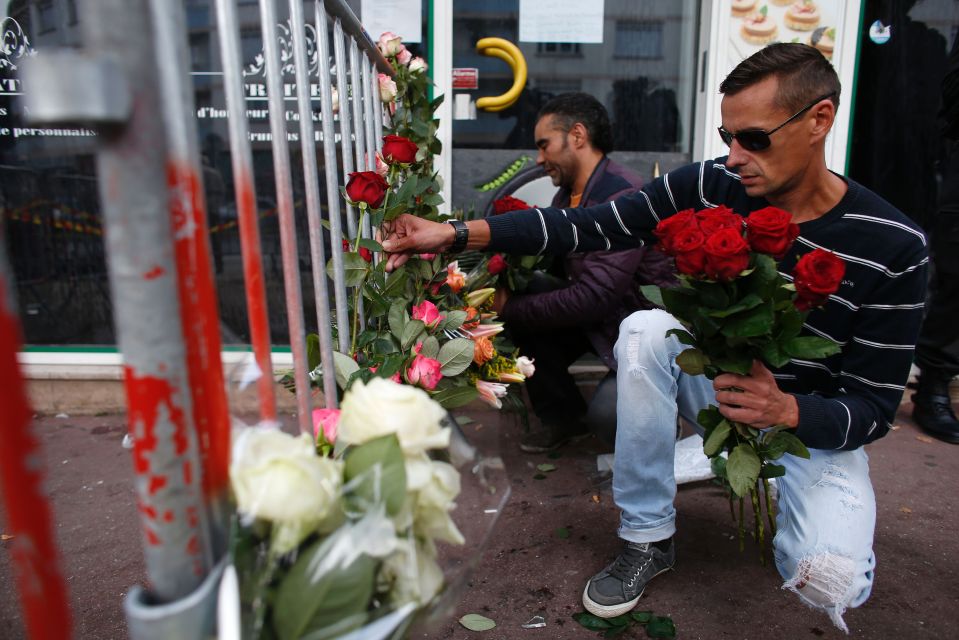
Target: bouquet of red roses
[738, 308]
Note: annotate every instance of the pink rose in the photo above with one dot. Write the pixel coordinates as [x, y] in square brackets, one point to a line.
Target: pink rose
[390, 44]
[404, 56]
[424, 372]
[428, 313]
[325, 423]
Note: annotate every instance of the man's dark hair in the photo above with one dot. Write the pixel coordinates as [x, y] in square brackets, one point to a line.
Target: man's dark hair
[803, 73]
[569, 108]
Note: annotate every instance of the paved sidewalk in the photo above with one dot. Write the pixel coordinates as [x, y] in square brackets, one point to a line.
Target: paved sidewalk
[529, 570]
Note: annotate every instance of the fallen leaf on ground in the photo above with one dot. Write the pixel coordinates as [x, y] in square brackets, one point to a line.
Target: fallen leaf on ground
[923, 438]
[476, 622]
[596, 498]
[905, 509]
[546, 468]
[562, 532]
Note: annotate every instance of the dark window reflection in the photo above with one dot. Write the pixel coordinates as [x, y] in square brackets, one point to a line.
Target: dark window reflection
[49, 200]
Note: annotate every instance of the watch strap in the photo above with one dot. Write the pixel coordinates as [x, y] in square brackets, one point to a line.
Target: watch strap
[461, 237]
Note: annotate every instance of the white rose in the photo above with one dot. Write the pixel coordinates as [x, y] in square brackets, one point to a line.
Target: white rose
[525, 366]
[387, 88]
[382, 407]
[279, 478]
[411, 574]
[417, 65]
[435, 501]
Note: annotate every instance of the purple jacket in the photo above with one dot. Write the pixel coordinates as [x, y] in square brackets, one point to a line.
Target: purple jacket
[603, 285]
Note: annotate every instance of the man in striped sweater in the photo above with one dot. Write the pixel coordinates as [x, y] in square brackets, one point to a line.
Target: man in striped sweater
[778, 107]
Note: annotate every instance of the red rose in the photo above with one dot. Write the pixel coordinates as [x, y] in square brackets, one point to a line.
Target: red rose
[688, 249]
[366, 186]
[727, 254]
[365, 253]
[771, 230]
[508, 203]
[399, 149]
[668, 227]
[721, 217]
[816, 276]
[496, 264]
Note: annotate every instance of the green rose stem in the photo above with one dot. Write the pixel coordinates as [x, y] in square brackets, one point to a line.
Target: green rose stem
[758, 519]
[357, 292]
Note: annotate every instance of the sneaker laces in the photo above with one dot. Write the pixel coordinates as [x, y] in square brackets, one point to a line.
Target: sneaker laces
[631, 562]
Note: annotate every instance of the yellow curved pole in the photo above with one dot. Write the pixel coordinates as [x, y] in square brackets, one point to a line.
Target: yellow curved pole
[510, 53]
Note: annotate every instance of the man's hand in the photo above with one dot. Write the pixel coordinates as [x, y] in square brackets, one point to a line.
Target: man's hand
[500, 298]
[409, 234]
[760, 403]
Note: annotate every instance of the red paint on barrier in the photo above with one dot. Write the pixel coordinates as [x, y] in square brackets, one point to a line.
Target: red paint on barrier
[152, 538]
[255, 292]
[33, 551]
[156, 483]
[168, 516]
[201, 326]
[187, 473]
[148, 510]
[154, 273]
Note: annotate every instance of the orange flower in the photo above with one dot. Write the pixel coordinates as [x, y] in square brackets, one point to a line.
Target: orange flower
[483, 350]
[472, 318]
[455, 278]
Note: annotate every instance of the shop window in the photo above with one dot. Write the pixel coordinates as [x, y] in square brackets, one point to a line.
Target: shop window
[558, 49]
[639, 40]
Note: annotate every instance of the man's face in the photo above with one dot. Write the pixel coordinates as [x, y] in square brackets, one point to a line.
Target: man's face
[777, 169]
[555, 155]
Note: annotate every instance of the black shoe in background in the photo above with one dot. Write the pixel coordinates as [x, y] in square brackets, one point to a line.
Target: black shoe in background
[932, 407]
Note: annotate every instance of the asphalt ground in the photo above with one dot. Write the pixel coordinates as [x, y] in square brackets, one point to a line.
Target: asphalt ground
[554, 532]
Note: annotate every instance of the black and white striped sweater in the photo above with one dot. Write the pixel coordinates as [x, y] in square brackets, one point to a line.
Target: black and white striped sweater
[845, 400]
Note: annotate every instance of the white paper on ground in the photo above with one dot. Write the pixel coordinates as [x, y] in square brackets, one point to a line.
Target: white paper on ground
[691, 464]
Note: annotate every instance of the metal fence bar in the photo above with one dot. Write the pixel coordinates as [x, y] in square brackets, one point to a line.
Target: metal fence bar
[284, 198]
[370, 81]
[33, 550]
[139, 243]
[346, 128]
[245, 189]
[357, 92]
[321, 289]
[332, 177]
[198, 301]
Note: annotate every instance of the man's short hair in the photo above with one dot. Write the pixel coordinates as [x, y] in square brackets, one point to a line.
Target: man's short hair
[803, 73]
[569, 108]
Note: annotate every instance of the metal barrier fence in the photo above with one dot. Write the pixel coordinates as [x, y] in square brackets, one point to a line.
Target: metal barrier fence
[131, 83]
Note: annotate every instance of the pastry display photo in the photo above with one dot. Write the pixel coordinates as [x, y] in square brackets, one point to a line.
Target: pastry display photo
[757, 23]
[802, 15]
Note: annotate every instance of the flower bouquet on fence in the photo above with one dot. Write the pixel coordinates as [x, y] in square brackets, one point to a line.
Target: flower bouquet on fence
[421, 324]
[349, 535]
[737, 308]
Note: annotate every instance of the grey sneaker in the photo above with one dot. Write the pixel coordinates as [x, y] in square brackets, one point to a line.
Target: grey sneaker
[548, 438]
[617, 588]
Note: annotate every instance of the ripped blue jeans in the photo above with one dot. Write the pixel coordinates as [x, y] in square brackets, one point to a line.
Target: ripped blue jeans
[826, 506]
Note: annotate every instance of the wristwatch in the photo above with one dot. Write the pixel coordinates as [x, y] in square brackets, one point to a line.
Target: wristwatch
[461, 237]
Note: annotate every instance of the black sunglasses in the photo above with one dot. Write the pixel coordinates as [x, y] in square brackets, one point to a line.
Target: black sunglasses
[757, 139]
